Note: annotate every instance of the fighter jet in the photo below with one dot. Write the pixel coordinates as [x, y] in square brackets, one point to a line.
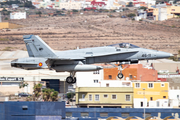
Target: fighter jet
[41, 56]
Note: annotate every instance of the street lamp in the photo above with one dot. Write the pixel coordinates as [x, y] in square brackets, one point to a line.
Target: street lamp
[144, 102]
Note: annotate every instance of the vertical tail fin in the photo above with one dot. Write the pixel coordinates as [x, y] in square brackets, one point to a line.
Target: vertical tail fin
[36, 47]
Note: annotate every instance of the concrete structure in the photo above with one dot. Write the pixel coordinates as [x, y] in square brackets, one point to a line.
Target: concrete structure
[174, 97]
[163, 65]
[104, 97]
[70, 5]
[18, 15]
[4, 25]
[141, 15]
[151, 94]
[11, 79]
[121, 113]
[32, 110]
[164, 11]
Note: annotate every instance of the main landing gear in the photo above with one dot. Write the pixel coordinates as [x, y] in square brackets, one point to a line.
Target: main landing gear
[71, 79]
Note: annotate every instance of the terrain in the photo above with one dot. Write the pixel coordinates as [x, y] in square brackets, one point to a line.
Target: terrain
[70, 32]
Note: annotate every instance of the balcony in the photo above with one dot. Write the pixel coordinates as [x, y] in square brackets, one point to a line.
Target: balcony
[105, 89]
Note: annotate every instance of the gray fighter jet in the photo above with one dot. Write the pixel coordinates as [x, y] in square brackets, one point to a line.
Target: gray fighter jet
[41, 56]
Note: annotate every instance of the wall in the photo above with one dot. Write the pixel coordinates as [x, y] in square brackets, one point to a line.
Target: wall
[118, 112]
[4, 25]
[88, 77]
[31, 110]
[157, 93]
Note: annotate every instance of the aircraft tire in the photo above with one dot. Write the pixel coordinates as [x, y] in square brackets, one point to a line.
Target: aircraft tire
[120, 75]
[69, 80]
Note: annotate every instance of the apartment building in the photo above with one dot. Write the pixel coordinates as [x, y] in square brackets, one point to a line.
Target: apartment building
[104, 97]
[151, 94]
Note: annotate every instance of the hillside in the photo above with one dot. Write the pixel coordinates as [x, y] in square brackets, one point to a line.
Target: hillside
[63, 33]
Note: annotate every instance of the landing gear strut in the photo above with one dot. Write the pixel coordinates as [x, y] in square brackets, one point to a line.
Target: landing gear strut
[120, 75]
[71, 79]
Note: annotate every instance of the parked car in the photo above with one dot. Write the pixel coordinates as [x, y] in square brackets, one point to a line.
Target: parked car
[23, 94]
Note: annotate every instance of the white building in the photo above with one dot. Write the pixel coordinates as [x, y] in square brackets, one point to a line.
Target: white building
[174, 97]
[18, 15]
[70, 5]
[96, 79]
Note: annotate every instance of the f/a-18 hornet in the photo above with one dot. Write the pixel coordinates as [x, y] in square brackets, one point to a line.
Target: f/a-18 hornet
[41, 56]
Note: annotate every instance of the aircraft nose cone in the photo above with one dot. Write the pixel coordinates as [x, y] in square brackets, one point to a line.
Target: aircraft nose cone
[171, 55]
[161, 54]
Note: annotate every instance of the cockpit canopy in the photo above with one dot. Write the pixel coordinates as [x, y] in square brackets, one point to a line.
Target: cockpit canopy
[124, 45]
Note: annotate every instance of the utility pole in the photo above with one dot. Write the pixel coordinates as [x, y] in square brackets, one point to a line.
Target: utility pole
[144, 102]
[0, 17]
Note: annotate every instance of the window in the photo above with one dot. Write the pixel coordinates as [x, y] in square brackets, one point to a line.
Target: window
[137, 85]
[151, 98]
[128, 107]
[125, 115]
[103, 114]
[164, 96]
[96, 97]
[68, 114]
[177, 96]
[128, 98]
[84, 114]
[96, 72]
[105, 96]
[107, 85]
[90, 97]
[113, 96]
[24, 107]
[162, 84]
[130, 77]
[110, 76]
[141, 104]
[150, 85]
[95, 81]
[157, 103]
[83, 96]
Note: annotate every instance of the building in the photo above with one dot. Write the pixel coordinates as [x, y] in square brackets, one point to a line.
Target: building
[104, 97]
[164, 11]
[151, 94]
[174, 98]
[132, 72]
[18, 15]
[70, 5]
[10, 81]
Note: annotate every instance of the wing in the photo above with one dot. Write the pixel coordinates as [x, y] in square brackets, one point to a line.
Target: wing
[60, 61]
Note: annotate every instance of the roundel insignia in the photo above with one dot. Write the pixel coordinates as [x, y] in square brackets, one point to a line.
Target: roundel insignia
[40, 64]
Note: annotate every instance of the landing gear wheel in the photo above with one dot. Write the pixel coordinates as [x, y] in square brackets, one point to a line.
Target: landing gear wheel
[120, 75]
[69, 80]
[74, 80]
